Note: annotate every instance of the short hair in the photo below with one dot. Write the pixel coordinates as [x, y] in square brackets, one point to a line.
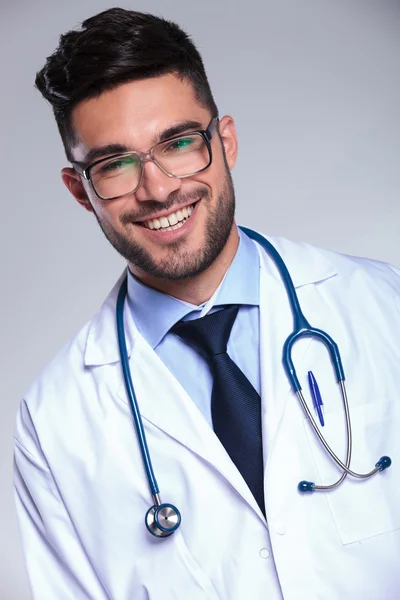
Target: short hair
[111, 48]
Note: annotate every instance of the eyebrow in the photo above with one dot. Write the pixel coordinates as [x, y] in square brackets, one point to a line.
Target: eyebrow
[99, 152]
[178, 129]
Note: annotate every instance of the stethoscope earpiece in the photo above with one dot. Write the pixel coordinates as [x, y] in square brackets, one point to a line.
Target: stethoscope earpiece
[163, 520]
[306, 487]
[383, 463]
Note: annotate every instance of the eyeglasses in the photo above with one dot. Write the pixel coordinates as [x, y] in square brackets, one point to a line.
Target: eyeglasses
[180, 156]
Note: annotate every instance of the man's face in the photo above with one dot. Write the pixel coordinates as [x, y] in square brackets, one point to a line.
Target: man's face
[135, 115]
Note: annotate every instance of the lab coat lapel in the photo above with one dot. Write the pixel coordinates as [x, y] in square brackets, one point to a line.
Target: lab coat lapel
[162, 400]
[166, 405]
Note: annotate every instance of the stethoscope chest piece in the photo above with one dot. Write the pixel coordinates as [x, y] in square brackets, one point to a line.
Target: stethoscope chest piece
[163, 520]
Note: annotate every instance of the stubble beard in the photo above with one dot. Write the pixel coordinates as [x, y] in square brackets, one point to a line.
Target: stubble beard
[180, 261]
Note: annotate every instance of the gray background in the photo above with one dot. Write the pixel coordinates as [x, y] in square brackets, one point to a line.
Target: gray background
[314, 86]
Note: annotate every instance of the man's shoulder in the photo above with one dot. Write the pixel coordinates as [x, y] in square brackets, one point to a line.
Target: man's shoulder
[59, 375]
[302, 256]
[62, 375]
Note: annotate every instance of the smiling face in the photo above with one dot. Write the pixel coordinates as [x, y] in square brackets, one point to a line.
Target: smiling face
[169, 228]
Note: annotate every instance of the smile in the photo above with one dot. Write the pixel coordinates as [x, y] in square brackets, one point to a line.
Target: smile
[169, 222]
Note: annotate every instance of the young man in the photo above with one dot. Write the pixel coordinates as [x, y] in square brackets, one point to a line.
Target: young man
[205, 317]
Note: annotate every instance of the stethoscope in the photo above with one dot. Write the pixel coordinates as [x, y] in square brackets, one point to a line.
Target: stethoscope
[163, 519]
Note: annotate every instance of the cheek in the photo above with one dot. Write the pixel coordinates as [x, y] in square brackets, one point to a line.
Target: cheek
[107, 216]
[105, 211]
[218, 173]
[213, 178]
[108, 211]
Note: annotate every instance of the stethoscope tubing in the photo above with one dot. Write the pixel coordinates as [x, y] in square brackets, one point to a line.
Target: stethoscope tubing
[130, 392]
[302, 328]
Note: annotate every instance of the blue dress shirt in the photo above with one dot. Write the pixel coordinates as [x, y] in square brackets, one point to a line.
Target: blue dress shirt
[155, 313]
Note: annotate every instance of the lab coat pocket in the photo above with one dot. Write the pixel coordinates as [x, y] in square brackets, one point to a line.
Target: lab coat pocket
[362, 508]
[168, 571]
[194, 568]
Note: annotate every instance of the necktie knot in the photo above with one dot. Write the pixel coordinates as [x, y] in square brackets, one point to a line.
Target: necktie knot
[210, 333]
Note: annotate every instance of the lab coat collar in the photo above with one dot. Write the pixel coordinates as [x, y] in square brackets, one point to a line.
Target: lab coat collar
[102, 340]
[306, 264]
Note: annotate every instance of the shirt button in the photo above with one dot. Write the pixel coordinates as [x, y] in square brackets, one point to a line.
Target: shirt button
[264, 553]
[280, 529]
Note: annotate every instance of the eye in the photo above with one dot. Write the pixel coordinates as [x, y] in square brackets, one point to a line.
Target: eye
[180, 144]
[116, 165]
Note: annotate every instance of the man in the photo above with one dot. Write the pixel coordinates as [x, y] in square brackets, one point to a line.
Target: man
[205, 317]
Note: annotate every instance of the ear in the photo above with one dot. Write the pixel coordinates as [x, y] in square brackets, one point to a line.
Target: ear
[73, 182]
[228, 135]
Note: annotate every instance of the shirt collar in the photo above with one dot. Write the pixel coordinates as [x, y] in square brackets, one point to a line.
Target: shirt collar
[155, 312]
[307, 265]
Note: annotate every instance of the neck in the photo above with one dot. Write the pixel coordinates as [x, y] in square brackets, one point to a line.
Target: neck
[200, 288]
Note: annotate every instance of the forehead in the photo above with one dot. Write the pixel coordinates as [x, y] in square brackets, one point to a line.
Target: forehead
[134, 113]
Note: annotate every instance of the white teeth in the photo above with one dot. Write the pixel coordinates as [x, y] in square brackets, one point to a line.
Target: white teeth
[172, 227]
[172, 221]
[178, 225]
[164, 222]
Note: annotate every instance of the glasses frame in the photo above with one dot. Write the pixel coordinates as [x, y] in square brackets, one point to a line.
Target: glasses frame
[144, 157]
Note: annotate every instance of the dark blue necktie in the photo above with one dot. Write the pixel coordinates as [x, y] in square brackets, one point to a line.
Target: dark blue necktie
[235, 404]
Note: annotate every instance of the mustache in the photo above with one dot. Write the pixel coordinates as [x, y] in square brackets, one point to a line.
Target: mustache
[152, 207]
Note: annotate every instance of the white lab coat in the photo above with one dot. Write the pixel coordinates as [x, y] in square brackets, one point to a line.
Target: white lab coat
[82, 493]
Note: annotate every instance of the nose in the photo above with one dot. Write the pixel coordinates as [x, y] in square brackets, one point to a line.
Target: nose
[155, 184]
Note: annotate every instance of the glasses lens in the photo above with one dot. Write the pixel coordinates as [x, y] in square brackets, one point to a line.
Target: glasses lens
[184, 155]
[117, 176]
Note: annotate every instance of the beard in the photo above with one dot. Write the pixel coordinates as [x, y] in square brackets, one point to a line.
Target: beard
[180, 261]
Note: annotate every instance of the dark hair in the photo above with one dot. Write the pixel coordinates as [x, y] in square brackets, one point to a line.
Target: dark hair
[111, 48]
